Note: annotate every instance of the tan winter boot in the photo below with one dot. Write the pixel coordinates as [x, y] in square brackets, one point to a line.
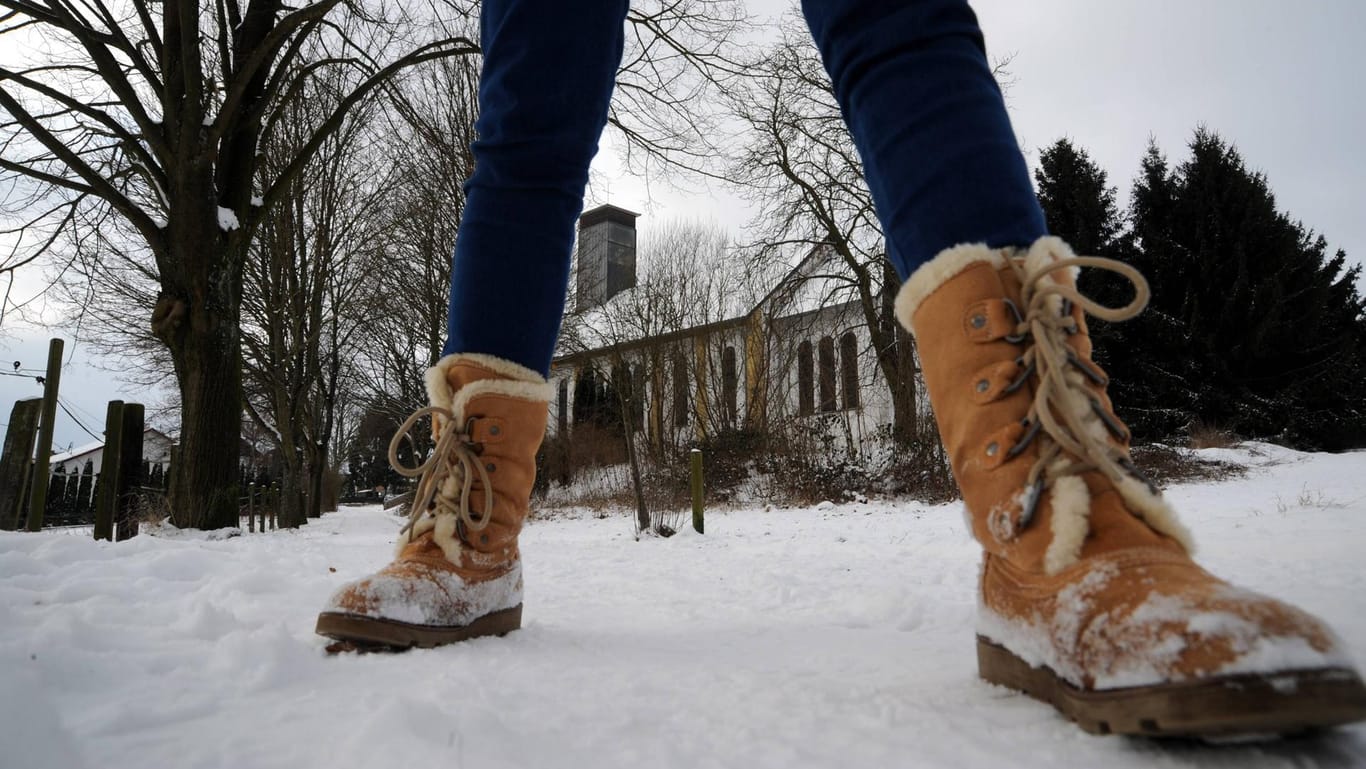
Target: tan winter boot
[1089, 597]
[458, 573]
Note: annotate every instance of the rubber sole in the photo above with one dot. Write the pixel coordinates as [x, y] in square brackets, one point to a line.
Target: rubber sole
[1220, 708]
[377, 634]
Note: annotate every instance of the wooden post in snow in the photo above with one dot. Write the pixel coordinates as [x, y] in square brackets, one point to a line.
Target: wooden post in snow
[129, 471]
[16, 460]
[107, 487]
[697, 490]
[37, 500]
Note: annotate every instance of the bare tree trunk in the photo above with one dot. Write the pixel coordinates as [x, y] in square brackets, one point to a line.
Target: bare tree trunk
[292, 507]
[625, 394]
[206, 353]
[896, 360]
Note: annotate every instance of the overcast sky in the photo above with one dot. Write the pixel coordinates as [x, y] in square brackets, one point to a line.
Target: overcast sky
[1283, 81]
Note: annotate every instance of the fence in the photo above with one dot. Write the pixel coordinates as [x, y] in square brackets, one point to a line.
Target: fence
[115, 501]
[72, 497]
[261, 501]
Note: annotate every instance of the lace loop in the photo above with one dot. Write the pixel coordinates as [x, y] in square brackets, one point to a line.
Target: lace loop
[455, 452]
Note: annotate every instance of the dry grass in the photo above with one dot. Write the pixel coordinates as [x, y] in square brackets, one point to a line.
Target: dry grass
[1166, 465]
[1206, 435]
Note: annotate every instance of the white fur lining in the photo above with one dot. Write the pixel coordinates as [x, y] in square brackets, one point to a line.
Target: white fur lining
[1156, 512]
[520, 381]
[1050, 249]
[438, 387]
[1071, 510]
[528, 391]
[938, 271]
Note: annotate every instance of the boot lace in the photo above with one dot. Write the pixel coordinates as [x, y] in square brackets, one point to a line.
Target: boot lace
[1066, 416]
[455, 453]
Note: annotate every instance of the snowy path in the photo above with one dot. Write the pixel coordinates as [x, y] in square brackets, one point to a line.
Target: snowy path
[793, 638]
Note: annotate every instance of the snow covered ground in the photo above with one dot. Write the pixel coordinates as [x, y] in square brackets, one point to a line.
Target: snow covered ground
[837, 636]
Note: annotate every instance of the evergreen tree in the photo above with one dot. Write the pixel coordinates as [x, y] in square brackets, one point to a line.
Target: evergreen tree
[1251, 326]
[1079, 206]
[1155, 380]
[1078, 203]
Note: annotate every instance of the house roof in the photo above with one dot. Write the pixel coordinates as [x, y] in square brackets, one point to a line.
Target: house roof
[78, 452]
[819, 280]
[606, 212]
[94, 447]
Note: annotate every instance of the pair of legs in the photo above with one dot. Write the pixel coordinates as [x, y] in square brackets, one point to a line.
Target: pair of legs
[911, 77]
[1088, 596]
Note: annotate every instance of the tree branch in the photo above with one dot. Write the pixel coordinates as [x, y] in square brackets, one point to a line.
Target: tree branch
[435, 50]
[98, 185]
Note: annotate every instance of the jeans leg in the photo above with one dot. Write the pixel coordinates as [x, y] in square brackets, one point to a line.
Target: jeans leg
[549, 67]
[929, 122]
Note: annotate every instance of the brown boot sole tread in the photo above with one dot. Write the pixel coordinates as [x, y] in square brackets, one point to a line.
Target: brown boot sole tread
[1228, 706]
[374, 633]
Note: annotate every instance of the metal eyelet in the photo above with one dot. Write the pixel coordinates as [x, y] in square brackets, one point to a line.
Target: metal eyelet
[978, 321]
[993, 448]
[495, 430]
[983, 385]
[490, 467]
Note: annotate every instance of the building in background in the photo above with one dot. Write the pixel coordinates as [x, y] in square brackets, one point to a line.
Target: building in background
[800, 354]
[607, 255]
[156, 450]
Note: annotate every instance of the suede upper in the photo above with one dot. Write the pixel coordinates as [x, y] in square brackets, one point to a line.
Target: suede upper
[447, 572]
[1099, 584]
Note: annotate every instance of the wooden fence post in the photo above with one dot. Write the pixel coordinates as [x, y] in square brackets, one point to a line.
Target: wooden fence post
[697, 490]
[37, 501]
[107, 483]
[15, 460]
[129, 471]
[251, 510]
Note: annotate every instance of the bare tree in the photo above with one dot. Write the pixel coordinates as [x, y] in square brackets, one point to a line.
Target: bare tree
[310, 257]
[132, 144]
[801, 166]
[680, 55]
[430, 127]
[156, 112]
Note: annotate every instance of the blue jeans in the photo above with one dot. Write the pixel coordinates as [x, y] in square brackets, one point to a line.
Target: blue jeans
[911, 77]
